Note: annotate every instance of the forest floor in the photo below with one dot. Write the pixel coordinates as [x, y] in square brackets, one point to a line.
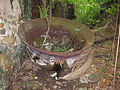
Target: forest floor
[32, 77]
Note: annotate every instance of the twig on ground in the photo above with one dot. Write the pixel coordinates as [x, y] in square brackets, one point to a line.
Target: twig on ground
[116, 56]
[118, 42]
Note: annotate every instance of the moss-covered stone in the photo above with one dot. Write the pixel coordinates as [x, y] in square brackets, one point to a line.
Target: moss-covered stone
[5, 63]
[5, 70]
[9, 40]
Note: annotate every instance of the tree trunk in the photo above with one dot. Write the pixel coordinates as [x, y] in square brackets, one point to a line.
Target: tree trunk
[16, 9]
[10, 14]
[26, 8]
[10, 9]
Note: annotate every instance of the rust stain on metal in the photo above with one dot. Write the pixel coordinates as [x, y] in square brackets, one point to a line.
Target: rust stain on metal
[28, 34]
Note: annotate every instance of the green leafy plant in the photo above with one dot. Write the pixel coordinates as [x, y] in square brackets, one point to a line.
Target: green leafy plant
[57, 49]
[43, 12]
[112, 10]
[51, 47]
[108, 57]
[101, 32]
[88, 11]
[118, 74]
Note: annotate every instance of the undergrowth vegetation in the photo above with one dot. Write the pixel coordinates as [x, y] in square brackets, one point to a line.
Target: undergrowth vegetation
[89, 11]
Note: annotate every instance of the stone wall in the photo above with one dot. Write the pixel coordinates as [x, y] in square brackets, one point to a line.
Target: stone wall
[11, 51]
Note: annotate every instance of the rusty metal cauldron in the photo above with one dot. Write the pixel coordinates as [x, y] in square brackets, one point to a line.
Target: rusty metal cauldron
[32, 29]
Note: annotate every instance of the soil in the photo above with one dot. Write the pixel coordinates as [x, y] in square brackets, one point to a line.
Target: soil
[28, 76]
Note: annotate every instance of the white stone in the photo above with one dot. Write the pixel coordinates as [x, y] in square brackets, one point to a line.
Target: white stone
[36, 78]
[70, 61]
[83, 79]
[53, 75]
[55, 87]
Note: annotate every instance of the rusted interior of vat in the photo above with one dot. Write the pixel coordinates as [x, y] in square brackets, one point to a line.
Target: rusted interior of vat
[33, 29]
